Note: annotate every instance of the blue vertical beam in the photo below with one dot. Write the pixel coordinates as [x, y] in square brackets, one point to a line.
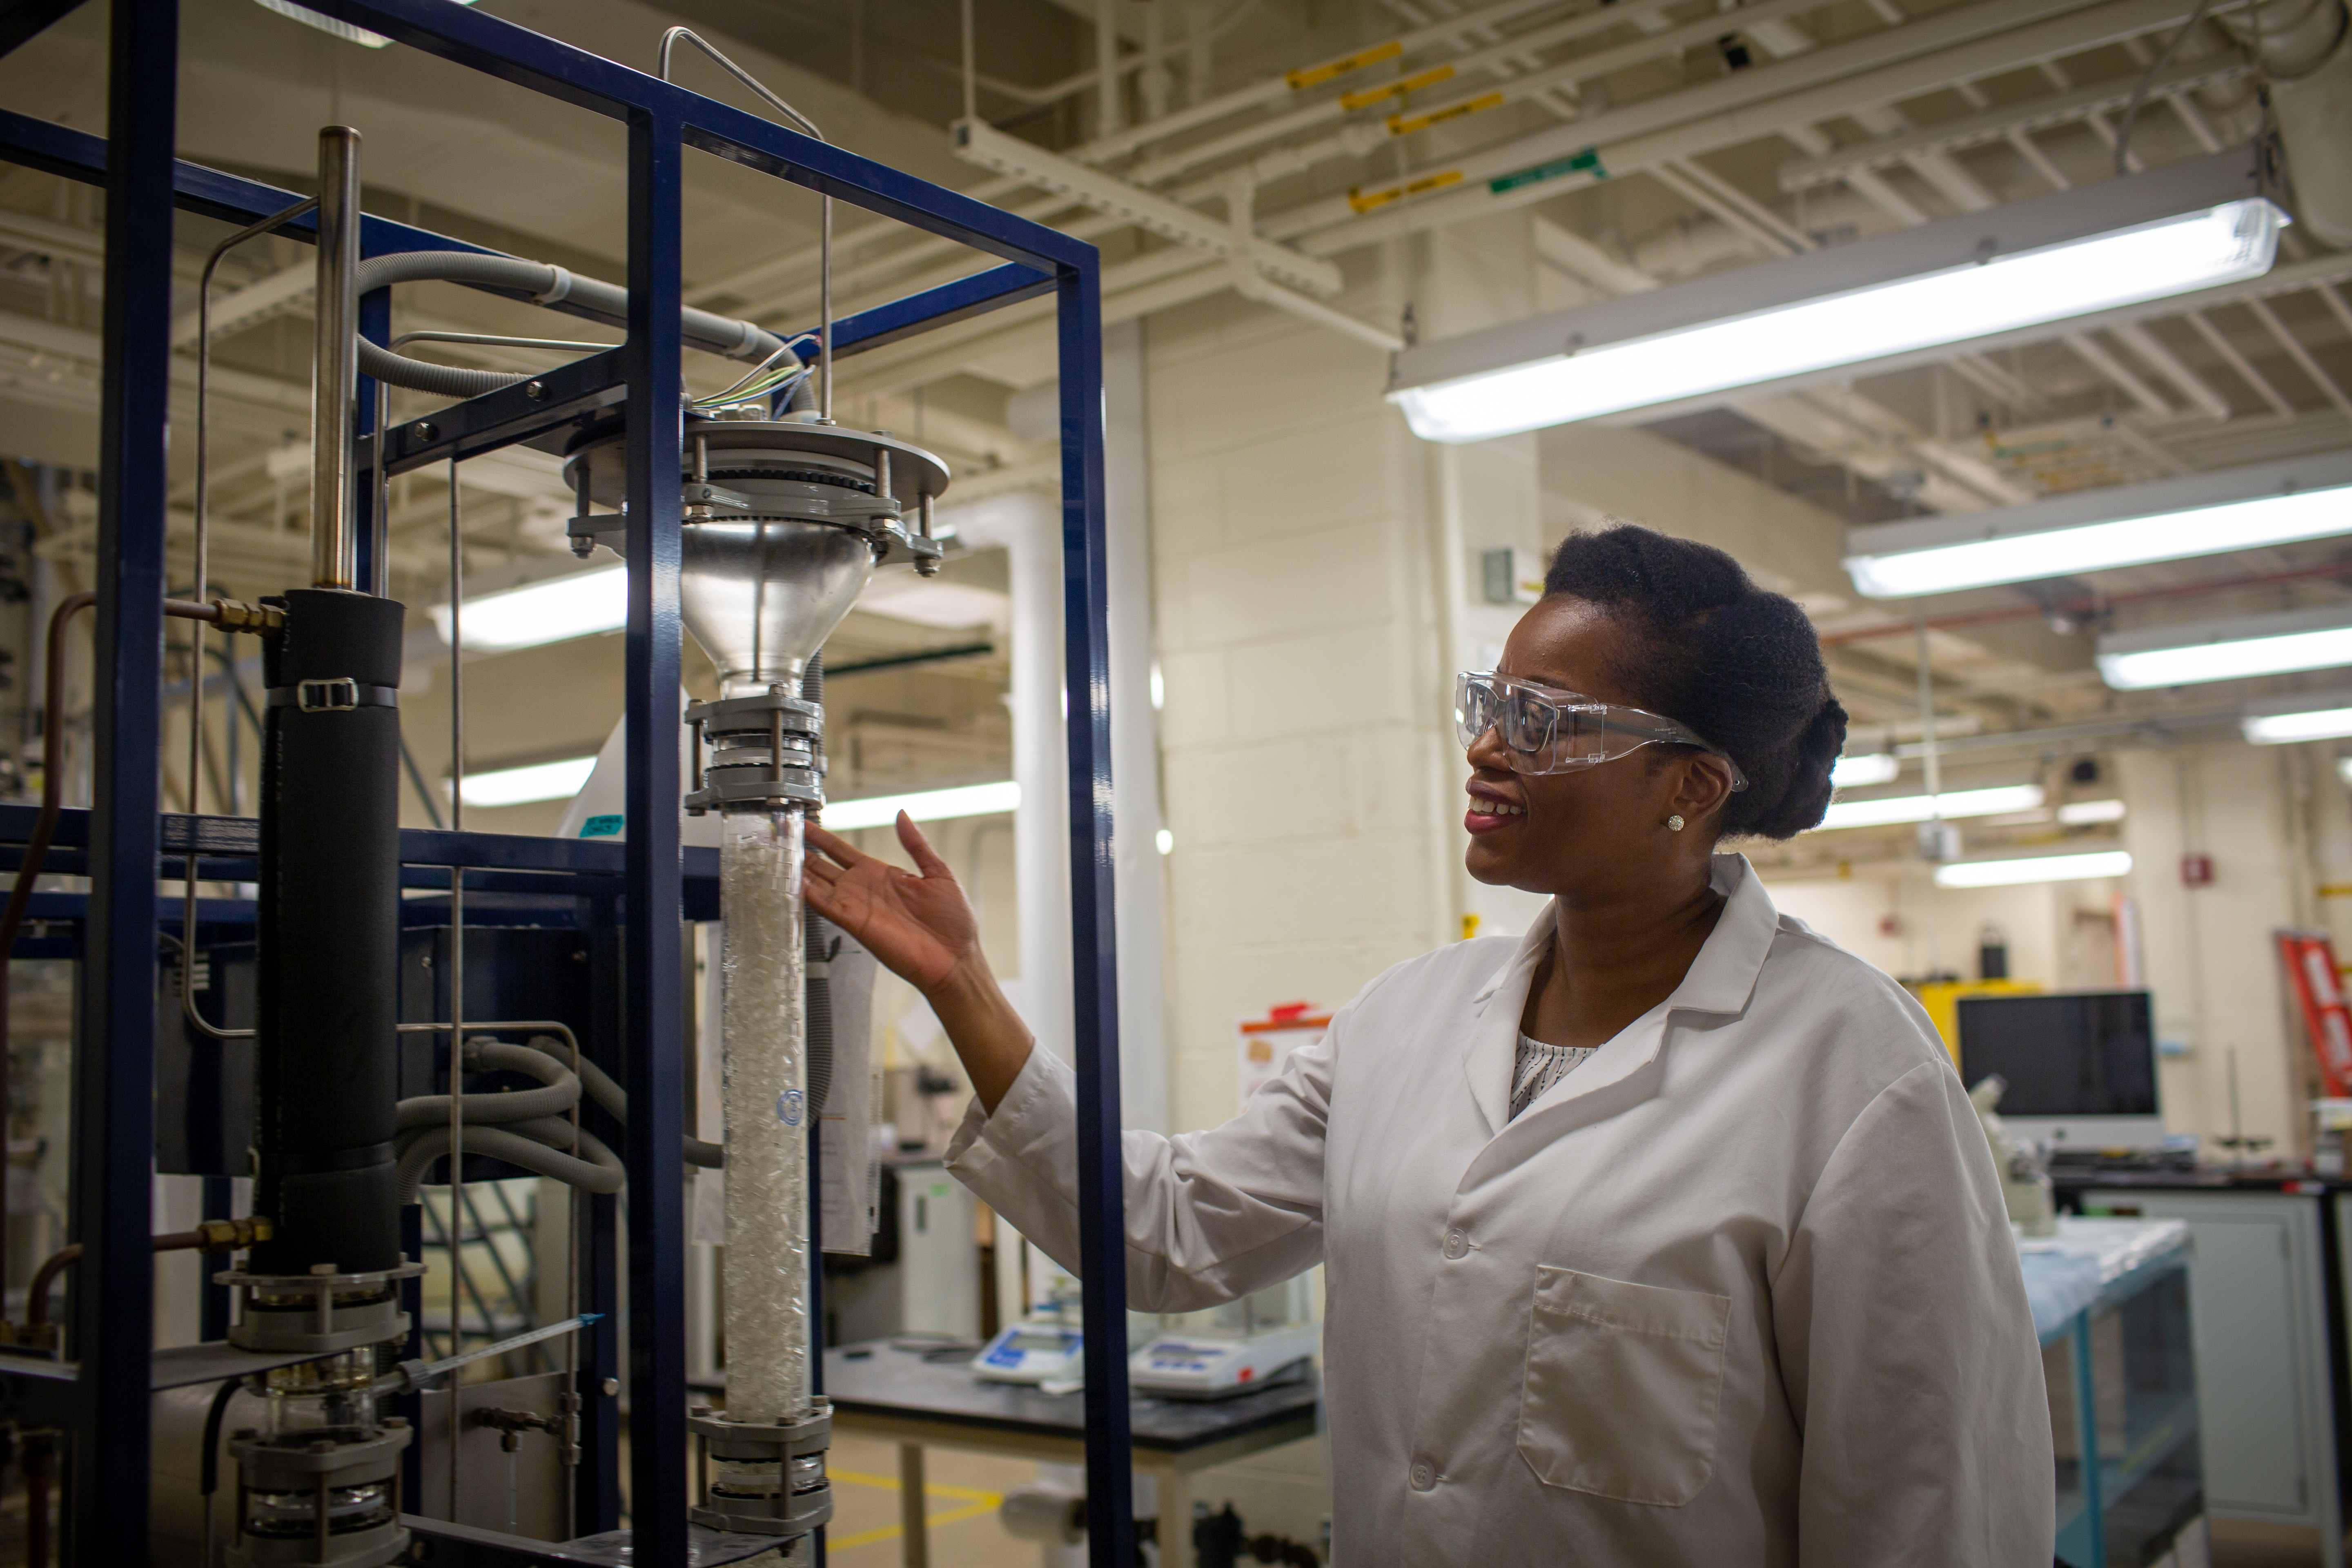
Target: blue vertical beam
[114, 1114]
[657, 1437]
[1093, 948]
[2086, 1423]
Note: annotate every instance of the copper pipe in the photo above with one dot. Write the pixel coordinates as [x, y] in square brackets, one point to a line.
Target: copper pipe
[213, 1236]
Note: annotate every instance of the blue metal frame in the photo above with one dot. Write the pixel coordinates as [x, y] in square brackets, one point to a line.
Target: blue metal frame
[106, 1403]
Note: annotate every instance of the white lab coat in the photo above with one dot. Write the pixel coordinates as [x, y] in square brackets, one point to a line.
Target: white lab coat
[1739, 1290]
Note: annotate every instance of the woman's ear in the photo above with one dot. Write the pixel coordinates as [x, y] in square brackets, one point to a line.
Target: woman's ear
[1702, 786]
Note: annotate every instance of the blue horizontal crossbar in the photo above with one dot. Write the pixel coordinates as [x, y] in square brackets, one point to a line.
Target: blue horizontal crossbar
[239, 837]
[39, 145]
[969, 296]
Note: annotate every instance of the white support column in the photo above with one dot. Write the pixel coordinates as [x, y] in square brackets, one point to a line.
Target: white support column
[1141, 905]
[1024, 524]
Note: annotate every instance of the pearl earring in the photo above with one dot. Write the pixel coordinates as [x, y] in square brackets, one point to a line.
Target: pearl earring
[1674, 823]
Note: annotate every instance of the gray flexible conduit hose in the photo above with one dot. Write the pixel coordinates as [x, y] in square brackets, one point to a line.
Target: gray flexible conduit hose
[526, 1127]
[561, 1094]
[546, 285]
[614, 1100]
[518, 1143]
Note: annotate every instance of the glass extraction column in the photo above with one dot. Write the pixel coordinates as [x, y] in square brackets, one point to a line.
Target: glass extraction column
[785, 521]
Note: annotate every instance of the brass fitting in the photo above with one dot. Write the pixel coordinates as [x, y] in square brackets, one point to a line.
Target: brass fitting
[237, 615]
[232, 1235]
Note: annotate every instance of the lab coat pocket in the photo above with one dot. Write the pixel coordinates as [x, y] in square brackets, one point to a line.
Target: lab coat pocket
[1622, 1387]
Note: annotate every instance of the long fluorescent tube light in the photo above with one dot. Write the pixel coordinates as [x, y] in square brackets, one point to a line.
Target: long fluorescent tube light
[2034, 868]
[927, 806]
[2085, 813]
[2199, 651]
[2305, 716]
[1861, 773]
[520, 786]
[2097, 531]
[1920, 807]
[1883, 302]
[555, 609]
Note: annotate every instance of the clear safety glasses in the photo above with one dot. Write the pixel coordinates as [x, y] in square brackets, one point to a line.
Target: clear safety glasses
[1548, 730]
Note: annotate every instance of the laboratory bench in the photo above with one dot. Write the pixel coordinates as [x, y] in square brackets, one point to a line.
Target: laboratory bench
[2267, 1273]
[882, 1390]
[2111, 1304]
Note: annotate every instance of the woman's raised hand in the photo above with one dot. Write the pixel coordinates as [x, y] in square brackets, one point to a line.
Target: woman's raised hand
[921, 926]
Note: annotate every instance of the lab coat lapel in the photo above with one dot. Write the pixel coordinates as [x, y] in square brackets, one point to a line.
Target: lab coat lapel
[1624, 1072]
[1490, 1045]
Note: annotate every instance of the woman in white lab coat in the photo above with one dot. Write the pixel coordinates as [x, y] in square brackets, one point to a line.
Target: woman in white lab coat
[1662, 1235]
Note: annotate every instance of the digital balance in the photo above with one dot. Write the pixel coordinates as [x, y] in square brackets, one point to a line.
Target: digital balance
[1210, 1365]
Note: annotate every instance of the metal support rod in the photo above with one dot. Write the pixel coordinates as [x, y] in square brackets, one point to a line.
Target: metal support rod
[1927, 708]
[970, 64]
[334, 372]
[114, 1111]
[825, 229]
[196, 590]
[457, 960]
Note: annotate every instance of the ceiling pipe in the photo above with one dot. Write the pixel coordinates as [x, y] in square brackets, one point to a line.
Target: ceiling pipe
[2305, 49]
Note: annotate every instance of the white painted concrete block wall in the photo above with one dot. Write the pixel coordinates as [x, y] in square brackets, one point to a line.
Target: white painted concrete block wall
[1299, 741]
[2217, 979]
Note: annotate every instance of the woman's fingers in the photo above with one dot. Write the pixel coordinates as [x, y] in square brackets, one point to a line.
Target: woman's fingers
[927, 859]
[832, 846]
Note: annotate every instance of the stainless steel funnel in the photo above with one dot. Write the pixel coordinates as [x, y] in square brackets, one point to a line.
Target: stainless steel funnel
[760, 597]
[785, 521]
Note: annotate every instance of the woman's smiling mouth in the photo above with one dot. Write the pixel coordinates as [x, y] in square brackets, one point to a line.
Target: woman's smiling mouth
[1491, 811]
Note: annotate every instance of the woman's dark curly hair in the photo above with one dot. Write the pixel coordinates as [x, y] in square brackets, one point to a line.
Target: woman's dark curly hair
[1714, 651]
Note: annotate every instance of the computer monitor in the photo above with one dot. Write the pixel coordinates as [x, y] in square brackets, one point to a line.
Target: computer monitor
[2081, 1066]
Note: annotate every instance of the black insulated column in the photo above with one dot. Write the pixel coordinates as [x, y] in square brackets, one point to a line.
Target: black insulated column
[328, 967]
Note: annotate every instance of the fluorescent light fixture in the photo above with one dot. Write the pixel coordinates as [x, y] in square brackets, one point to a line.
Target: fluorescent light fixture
[325, 24]
[2097, 531]
[520, 786]
[1921, 807]
[2195, 652]
[1861, 773]
[1890, 299]
[1165, 841]
[2034, 868]
[2085, 813]
[554, 609]
[2305, 716]
[926, 806]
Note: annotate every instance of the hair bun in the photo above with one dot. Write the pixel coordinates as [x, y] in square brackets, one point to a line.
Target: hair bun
[1806, 799]
[1734, 663]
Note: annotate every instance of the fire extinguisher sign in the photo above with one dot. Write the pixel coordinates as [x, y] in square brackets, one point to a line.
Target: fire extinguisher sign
[2310, 960]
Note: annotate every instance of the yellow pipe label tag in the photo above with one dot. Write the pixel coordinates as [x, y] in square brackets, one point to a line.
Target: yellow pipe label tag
[1309, 76]
[1401, 125]
[1365, 201]
[1372, 95]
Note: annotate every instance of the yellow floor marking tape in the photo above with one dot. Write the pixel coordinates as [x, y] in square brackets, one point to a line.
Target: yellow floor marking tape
[890, 1484]
[892, 1532]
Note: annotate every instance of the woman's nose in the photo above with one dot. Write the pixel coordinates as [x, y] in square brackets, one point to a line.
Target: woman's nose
[1488, 751]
